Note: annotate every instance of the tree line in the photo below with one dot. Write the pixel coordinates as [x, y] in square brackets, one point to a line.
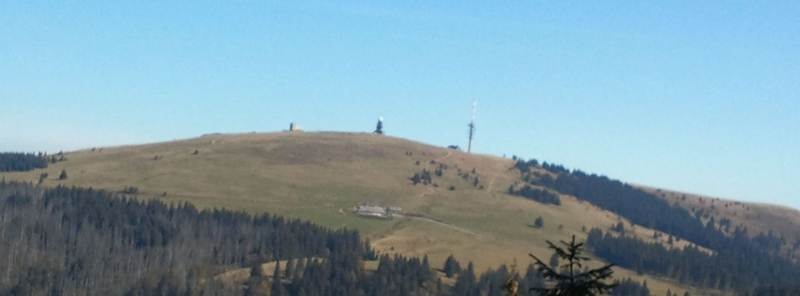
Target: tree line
[638, 206]
[751, 262]
[741, 271]
[537, 194]
[22, 162]
[648, 209]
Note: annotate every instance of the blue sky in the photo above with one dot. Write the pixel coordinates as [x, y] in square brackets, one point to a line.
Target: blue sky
[698, 96]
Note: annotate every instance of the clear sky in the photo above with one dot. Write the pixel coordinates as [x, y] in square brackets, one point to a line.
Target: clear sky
[698, 96]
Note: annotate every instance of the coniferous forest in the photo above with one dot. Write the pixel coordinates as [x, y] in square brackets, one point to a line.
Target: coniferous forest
[80, 241]
[738, 262]
[73, 241]
[724, 270]
[539, 195]
[20, 162]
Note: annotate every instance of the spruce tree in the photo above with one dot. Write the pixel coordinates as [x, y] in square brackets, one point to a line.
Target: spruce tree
[289, 269]
[277, 288]
[299, 268]
[255, 284]
[440, 289]
[426, 268]
[572, 281]
[466, 281]
[451, 267]
[539, 222]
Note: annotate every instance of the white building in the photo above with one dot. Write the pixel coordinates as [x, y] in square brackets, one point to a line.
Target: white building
[371, 211]
[295, 128]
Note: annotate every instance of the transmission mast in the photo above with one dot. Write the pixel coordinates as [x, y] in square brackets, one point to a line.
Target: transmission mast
[472, 126]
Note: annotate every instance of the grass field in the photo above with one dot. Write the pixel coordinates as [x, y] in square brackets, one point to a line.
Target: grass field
[322, 177]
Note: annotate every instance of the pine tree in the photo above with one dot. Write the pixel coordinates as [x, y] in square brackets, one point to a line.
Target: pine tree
[277, 288]
[620, 227]
[440, 289]
[451, 267]
[302, 292]
[255, 285]
[299, 268]
[426, 268]
[645, 291]
[539, 222]
[573, 282]
[289, 269]
[466, 281]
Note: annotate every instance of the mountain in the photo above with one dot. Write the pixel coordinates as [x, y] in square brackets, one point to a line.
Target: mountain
[324, 177]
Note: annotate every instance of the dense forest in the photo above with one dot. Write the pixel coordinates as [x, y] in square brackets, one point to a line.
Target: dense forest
[615, 196]
[80, 241]
[540, 195]
[20, 162]
[721, 270]
[73, 241]
[342, 274]
[739, 263]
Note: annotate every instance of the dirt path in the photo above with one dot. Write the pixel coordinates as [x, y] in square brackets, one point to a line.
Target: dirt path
[443, 157]
[449, 225]
[489, 188]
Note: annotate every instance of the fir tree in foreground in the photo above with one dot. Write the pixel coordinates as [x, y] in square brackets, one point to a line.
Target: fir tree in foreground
[571, 281]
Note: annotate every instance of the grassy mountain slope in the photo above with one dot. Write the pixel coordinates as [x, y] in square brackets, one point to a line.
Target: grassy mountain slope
[322, 177]
[757, 217]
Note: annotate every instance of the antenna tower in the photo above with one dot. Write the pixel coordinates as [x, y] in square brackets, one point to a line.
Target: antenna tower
[472, 126]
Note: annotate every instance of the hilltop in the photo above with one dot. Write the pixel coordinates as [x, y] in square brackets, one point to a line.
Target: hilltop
[324, 177]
